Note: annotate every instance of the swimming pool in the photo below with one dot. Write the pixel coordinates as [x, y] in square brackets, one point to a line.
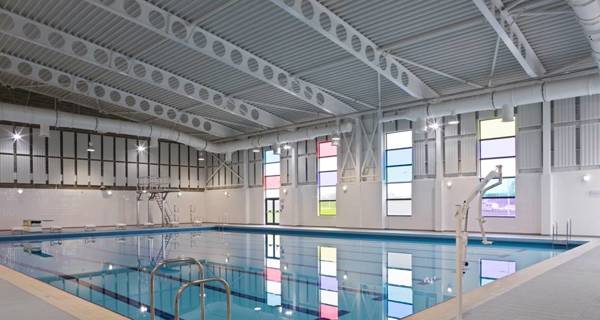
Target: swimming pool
[272, 276]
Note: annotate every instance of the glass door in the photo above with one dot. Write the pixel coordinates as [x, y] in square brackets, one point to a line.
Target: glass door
[272, 210]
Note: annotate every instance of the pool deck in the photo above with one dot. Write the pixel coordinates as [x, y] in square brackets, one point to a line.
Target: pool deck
[563, 287]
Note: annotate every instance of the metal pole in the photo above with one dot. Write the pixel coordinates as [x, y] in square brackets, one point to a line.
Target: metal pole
[459, 263]
[201, 284]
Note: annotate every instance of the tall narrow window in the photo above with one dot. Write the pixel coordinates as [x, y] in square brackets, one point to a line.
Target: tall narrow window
[399, 285]
[272, 184]
[328, 283]
[327, 154]
[398, 173]
[273, 270]
[497, 147]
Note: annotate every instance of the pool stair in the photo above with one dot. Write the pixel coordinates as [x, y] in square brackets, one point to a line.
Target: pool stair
[567, 236]
[200, 282]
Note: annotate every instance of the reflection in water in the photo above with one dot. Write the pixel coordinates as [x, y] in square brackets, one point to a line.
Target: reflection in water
[492, 270]
[273, 270]
[399, 285]
[328, 283]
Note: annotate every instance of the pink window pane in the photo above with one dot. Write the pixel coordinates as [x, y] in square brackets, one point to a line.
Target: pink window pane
[274, 274]
[329, 312]
[272, 182]
[327, 149]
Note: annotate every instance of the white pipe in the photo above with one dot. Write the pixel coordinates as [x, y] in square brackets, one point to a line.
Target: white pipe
[588, 15]
[25, 114]
[535, 93]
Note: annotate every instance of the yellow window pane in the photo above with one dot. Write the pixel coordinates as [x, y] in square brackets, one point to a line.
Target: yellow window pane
[495, 128]
[327, 208]
[328, 254]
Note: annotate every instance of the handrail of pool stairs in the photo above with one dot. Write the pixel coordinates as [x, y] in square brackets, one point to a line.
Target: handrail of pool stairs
[201, 283]
[462, 235]
[568, 233]
[188, 260]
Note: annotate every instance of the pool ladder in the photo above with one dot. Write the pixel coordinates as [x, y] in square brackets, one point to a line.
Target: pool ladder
[568, 236]
[200, 282]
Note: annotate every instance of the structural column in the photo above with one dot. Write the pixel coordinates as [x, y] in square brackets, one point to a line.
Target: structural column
[438, 219]
[547, 214]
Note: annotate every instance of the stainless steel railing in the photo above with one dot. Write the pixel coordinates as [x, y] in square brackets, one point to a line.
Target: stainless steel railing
[165, 262]
[201, 284]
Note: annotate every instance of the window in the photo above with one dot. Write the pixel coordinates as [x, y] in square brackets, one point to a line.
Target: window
[497, 147]
[399, 285]
[273, 270]
[272, 183]
[327, 164]
[328, 283]
[492, 270]
[398, 173]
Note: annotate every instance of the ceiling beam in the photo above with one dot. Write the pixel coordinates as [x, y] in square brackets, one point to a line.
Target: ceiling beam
[73, 84]
[508, 31]
[192, 36]
[109, 60]
[334, 28]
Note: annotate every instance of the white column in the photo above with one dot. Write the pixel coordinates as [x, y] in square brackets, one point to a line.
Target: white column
[547, 214]
[247, 194]
[438, 219]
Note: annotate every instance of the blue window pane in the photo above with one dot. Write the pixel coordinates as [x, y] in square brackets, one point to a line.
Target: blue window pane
[400, 294]
[498, 148]
[399, 174]
[328, 178]
[271, 157]
[399, 310]
[399, 157]
[506, 189]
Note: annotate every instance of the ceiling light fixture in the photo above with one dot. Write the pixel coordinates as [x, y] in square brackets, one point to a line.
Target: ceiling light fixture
[256, 150]
[141, 148]
[16, 136]
[508, 113]
[90, 147]
[453, 120]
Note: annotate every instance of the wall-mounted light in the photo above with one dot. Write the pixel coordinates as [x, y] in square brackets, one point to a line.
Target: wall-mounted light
[201, 156]
[276, 149]
[449, 184]
[20, 191]
[420, 124]
[141, 147]
[586, 177]
[226, 194]
[433, 125]
[453, 120]
[508, 113]
[449, 290]
[287, 146]
[257, 309]
[16, 136]
[285, 191]
[144, 191]
[345, 276]
[179, 194]
[344, 188]
[109, 192]
[90, 147]
[285, 267]
[256, 150]
[143, 309]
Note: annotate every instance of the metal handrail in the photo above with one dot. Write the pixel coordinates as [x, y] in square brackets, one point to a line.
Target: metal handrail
[201, 284]
[172, 261]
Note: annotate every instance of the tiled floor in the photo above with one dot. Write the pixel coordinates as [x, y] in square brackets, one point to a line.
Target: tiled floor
[570, 291]
[18, 304]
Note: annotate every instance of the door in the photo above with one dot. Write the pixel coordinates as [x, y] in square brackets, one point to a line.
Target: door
[272, 210]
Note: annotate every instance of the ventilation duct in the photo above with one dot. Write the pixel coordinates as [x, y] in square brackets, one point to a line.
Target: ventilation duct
[588, 15]
[46, 117]
[535, 93]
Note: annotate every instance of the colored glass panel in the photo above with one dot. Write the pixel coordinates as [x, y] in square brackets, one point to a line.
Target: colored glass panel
[399, 157]
[272, 182]
[328, 178]
[329, 312]
[506, 189]
[272, 169]
[327, 208]
[399, 310]
[329, 283]
[399, 174]
[400, 294]
[274, 274]
[496, 128]
[497, 148]
[400, 277]
[327, 149]
[498, 207]
[508, 166]
[271, 157]
[327, 193]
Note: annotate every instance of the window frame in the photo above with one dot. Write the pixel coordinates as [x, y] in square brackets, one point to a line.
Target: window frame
[319, 186]
[386, 170]
[481, 173]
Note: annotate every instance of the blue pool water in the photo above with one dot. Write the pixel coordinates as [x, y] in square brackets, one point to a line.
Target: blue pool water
[272, 276]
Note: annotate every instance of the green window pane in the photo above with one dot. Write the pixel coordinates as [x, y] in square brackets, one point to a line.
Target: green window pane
[327, 208]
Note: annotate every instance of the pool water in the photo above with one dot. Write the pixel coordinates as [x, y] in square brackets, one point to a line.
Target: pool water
[272, 276]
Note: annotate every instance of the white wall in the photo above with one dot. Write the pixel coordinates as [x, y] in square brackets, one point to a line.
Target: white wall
[572, 198]
[76, 208]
